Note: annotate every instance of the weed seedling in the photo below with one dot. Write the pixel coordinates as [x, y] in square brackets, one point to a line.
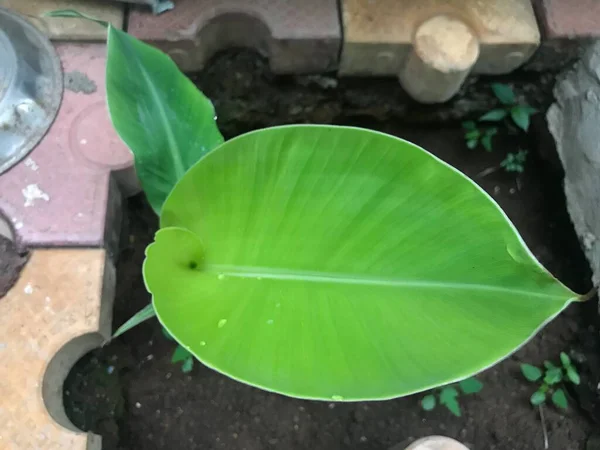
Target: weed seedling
[552, 380]
[515, 162]
[181, 355]
[475, 136]
[519, 114]
[448, 395]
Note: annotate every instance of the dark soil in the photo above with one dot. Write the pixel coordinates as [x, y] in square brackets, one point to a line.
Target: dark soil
[11, 263]
[130, 392]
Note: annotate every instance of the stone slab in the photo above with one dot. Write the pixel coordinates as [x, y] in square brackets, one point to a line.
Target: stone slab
[69, 28]
[63, 193]
[573, 121]
[298, 36]
[378, 34]
[568, 19]
[59, 310]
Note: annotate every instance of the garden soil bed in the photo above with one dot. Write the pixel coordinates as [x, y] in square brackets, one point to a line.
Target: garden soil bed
[129, 391]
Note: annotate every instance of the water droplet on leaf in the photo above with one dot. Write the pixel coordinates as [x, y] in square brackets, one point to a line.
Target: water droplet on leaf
[270, 322]
[222, 323]
[337, 398]
[221, 276]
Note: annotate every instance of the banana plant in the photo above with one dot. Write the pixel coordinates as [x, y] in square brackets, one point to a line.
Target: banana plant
[316, 261]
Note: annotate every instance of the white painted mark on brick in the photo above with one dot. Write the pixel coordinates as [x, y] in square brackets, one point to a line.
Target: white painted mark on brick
[33, 192]
[28, 289]
[31, 164]
[18, 225]
[2, 345]
[83, 141]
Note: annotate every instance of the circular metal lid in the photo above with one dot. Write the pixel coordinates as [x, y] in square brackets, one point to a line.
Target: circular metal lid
[31, 87]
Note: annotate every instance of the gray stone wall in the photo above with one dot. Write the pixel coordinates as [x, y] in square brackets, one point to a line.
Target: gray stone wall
[574, 121]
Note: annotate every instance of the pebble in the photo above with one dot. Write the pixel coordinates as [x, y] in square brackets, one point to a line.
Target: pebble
[138, 405]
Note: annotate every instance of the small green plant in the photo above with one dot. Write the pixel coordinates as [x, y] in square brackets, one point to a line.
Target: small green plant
[181, 354]
[519, 113]
[475, 136]
[515, 162]
[552, 380]
[448, 395]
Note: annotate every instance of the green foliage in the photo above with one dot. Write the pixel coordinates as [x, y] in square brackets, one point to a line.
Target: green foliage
[538, 397]
[515, 162]
[158, 112]
[180, 354]
[470, 385]
[73, 14]
[553, 377]
[316, 261]
[519, 114]
[530, 372]
[449, 395]
[495, 115]
[504, 93]
[428, 402]
[560, 399]
[141, 316]
[475, 136]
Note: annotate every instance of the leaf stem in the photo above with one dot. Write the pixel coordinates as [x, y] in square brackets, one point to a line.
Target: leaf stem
[544, 431]
[589, 295]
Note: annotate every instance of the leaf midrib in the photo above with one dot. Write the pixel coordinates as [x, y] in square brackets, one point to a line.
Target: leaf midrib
[266, 273]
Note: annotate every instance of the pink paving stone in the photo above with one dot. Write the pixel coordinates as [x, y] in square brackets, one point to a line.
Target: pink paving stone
[569, 18]
[297, 35]
[63, 193]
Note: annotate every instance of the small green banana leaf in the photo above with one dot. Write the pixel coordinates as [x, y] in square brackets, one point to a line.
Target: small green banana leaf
[158, 112]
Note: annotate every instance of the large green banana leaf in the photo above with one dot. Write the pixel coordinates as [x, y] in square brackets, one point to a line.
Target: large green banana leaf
[343, 264]
[317, 261]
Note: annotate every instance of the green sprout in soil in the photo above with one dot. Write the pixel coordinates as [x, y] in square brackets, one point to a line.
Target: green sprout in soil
[181, 354]
[448, 395]
[475, 136]
[515, 162]
[519, 114]
[551, 381]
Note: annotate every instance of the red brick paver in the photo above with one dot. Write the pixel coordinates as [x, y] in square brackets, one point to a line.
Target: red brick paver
[62, 194]
[296, 35]
[568, 19]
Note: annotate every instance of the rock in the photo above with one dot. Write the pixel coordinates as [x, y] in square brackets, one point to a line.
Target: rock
[574, 121]
[433, 443]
